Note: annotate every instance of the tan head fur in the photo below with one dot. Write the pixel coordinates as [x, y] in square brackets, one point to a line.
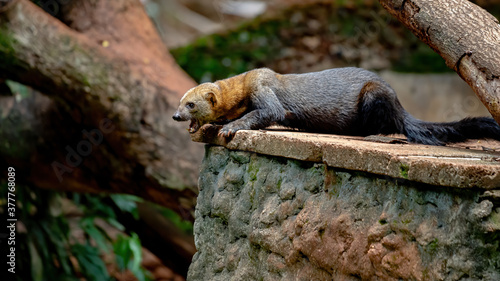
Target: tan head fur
[221, 101]
[199, 106]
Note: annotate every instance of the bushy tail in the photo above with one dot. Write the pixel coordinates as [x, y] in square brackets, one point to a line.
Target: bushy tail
[418, 131]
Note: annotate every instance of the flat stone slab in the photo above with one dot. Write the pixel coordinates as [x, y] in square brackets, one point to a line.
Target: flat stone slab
[436, 165]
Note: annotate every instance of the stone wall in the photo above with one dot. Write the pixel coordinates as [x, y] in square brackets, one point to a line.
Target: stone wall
[270, 218]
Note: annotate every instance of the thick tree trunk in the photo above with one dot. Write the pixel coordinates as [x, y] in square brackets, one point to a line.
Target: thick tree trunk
[112, 88]
[465, 35]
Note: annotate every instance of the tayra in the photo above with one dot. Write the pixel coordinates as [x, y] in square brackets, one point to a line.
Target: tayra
[347, 101]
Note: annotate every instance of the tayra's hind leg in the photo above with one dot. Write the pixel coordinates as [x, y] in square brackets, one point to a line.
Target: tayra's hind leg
[381, 113]
[379, 110]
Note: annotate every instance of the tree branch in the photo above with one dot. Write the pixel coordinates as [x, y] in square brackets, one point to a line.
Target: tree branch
[96, 89]
[465, 35]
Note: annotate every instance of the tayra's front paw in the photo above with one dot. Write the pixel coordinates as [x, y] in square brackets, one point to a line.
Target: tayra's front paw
[229, 130]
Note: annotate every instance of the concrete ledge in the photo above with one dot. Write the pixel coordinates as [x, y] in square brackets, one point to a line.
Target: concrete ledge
[445, 166]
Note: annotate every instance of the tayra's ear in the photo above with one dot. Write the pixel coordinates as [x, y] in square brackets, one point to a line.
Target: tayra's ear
[210, 96]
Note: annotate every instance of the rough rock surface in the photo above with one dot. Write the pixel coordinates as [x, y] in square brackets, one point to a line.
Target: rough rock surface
[271, 218]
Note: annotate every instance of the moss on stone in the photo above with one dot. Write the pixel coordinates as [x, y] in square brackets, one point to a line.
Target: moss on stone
[8, 49]
[253, 169]
[7, 41]
[432, 247]
[404, 169]
[406, 221]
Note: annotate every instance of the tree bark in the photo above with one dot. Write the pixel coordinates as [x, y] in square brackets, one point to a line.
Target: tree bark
[111, 87]
[465, 35]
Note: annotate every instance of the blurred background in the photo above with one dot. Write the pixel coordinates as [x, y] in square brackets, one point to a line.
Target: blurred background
[303, 36]
[76, 236]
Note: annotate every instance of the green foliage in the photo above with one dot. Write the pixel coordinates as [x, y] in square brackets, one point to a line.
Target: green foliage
[127, 203]
[273, 42]
[46, 236]
[17, 88]
[220, 56]
[90, 262]
[178, 221]
[129, 256]
[251, 45]
[46, 250]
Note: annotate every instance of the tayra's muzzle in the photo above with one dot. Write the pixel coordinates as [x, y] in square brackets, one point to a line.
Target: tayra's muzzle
[193, 126]
[177, 117]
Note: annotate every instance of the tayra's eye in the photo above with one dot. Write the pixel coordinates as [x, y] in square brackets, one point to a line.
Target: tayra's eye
[190, 105]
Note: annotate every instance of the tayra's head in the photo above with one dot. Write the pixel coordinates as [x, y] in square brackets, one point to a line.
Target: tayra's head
[198, 105]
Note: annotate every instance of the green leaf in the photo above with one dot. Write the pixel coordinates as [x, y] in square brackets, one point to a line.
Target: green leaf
[122, 252]
[127, 203]
[91, 264]
[56, 237]
[136, 248]
[98, 235]
[140, 275]
[18, 88]
[63, 257]
[36, 263]
[115, 223]
[98, 208]
[40, 243]
[76, 198]
[177, 220]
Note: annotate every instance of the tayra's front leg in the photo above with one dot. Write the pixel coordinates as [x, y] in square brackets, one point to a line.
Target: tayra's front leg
[268, 110]
[253, 120]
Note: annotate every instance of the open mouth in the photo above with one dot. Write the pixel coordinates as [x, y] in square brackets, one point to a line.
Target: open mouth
[194, 126]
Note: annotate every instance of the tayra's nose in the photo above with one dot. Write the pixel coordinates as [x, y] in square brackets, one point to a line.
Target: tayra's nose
[177, 117]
